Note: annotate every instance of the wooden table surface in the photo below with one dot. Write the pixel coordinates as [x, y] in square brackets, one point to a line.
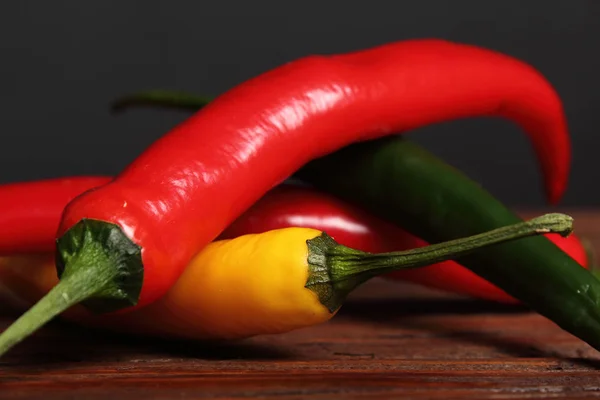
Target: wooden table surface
[388, 341]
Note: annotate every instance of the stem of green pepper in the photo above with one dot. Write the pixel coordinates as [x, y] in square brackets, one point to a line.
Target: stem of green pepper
[159, 98]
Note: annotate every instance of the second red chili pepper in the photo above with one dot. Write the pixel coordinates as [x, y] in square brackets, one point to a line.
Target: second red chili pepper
[30, 213]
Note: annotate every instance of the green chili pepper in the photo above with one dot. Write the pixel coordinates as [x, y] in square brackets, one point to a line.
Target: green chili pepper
[400, 181]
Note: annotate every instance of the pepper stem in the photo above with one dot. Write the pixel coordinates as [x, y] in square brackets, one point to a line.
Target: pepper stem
[69, 291]
[336, 270]
[160, 98]
[98, 267]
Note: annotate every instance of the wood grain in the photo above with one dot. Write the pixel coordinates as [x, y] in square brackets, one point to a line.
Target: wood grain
[388, 341]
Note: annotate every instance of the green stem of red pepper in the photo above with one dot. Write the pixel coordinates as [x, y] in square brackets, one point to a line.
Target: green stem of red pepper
[81, 282]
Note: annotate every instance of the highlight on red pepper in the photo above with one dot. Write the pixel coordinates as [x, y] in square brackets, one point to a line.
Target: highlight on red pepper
[30, 213]
[124, 244]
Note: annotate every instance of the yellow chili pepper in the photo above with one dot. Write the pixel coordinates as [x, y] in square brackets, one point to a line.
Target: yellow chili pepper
[266, 283]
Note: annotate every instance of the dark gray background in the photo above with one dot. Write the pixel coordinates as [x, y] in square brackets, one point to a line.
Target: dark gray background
[63, 61]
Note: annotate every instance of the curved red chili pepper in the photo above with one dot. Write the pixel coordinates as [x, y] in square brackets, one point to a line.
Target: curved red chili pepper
[31, 212]
[185, 189]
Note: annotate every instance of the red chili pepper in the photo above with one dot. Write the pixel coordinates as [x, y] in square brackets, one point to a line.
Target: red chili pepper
[124, 244]
[31, 212]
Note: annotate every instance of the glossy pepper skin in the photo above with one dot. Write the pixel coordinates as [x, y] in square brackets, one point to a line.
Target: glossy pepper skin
[266, 283]
[188, 186]
[31, 212]
[436, 202]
